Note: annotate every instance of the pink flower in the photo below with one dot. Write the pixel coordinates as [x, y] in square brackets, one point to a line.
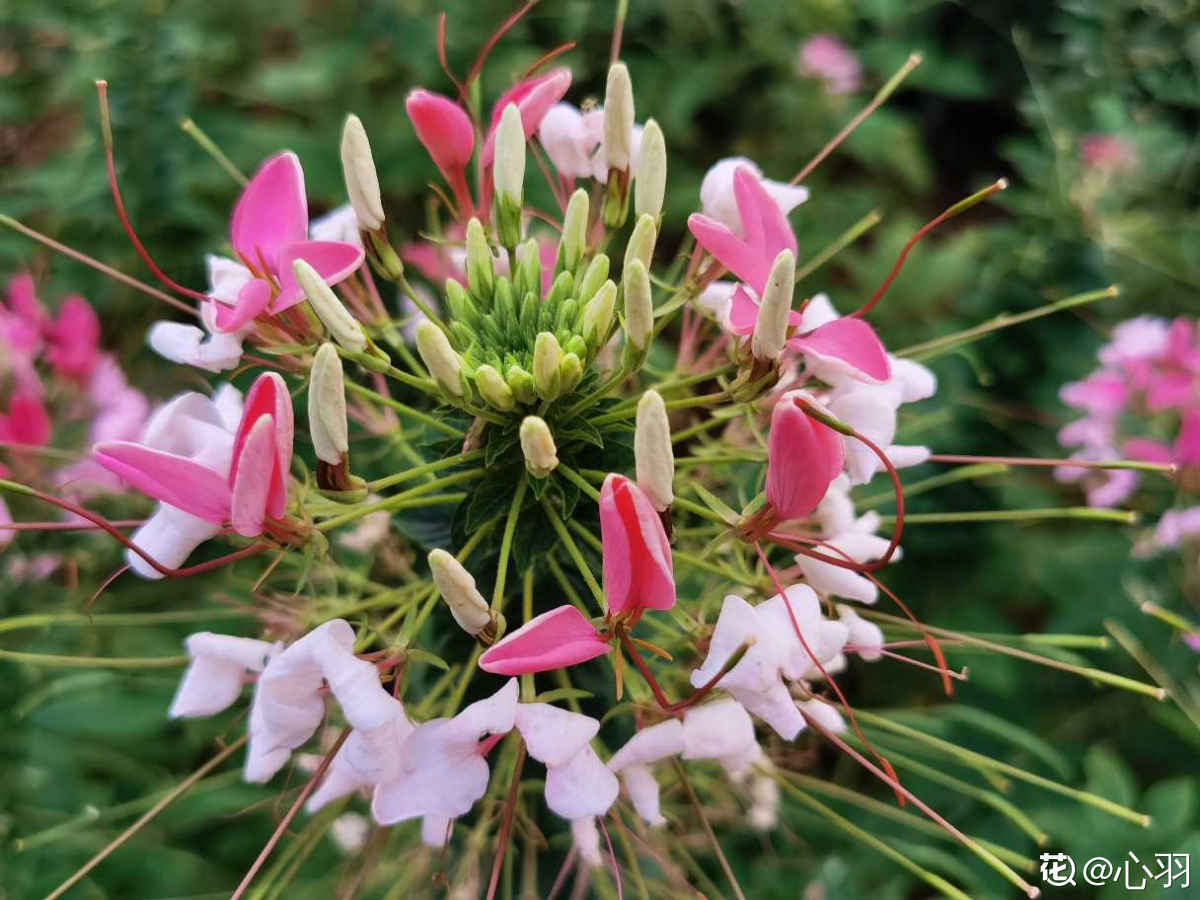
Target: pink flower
[74, 339]
[555, 639]
[1187, 443]
[269, 231]
[637, 555]
[27, 421]
[804, 456]
[444, 129]
[1101, 394]
[1176, 526]
[533, 98]
[824, 56]
[1107, 153]
[253, 487]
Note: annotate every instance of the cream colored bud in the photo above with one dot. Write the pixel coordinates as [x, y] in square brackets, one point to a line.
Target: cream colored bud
[574, 233]
[537, 444]
[618, 117]
[362, 183]
[510, 155]
[639, 305]
[342, 326]
[653, 454]
[547, 355]
[439, 357]
[481, 269]
[650, 185]
[598, 314]
[770, 329]
[457, 587]
[641, 241]
[327, 406]
[494, 389]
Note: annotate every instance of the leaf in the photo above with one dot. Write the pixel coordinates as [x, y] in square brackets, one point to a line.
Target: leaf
[424, 656]
[579, 430]
[1171, 804]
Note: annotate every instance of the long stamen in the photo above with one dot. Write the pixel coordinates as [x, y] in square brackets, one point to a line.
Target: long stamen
[1137, 465]
[110, 162]
[486, 50]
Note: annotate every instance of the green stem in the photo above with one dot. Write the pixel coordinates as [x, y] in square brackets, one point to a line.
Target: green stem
[425, 418]
[95, 662]
[209, 146]
[1085, 513]
[928, 484]
[578, 480]
[41, 620]
[840, 243]
[420, 471]
[400, 501]
[510, 528]
[575, 554]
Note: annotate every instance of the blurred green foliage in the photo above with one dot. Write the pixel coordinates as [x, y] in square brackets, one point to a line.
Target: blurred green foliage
[1005, 89]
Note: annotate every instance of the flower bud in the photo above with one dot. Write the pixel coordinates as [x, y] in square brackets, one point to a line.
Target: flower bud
[650, 186]
[547, 356]
[639, 306]
[598, 315]
[481, 271]
[509, 175]
[342, 326]
[570, 372]
[327, 406]
[521, 383]
[457, 587]
[593, 277]
[494, 389]
[641, 241]
[439, 357]
[770, 329]
[527, 274]
[618, 117]
[358, 167]
[574, 234]
[537, 443]
[652, 450]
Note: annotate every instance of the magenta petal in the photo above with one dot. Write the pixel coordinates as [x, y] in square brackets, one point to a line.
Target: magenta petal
[75, 338]
[743, 312]
[253, 298]
[443, 128]
[850, 340]
[558, 638]
[268, 396]
[22, 299]
[252, 483]
[763, 223]
[803, 458]
[730, 250]
[174, 480]
[637, 555]
[272, 211]
[333, 260]
[534, 98]
[1147, 450]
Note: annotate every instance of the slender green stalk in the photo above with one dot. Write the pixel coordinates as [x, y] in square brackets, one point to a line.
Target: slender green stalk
[420, 471]
[424, 418]
[576, 556]
[57, 661]
[510, 528]
[1161, 676]
[839, 243]
[578, 480]
[928, 484]
[209, 146]
[712, 838]
[42, 620]
[1084, 513]
[400, 501]
[1175, 620]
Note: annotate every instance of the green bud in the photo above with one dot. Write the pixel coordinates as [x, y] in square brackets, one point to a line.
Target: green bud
[570, 372]
[574, 235]
[481, 268]
[561, 289]
[522, 384]
[459, 302]
[527, 276]
[598, 315]
[593, 277]
[639, 305]
[503, 308]
[494, 389]
[531, 307]
[641, 241]
[547, 355]
[577, 345]
[567, 312]
[439, 357]
[509, 174]
[650, 185]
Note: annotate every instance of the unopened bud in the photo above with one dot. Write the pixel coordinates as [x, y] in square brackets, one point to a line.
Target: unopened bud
[641, 241]
[481, 271]
[547, 355]
[574, 233]
[509, 175]
[327, 406]
[598, 315]
[639, 305]
[494, 389]
[527, 274]
[457, 587]
[570, 372]
[653, 454]
[342, 326]
[521, 383]
[537, 443]
[593, 276]
[439, 357]
[770, 328]
[618, 117]
[362, 183]
[650, 185]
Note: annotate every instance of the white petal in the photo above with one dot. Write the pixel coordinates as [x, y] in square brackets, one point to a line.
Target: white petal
[227, 401]
[904, 456]
[866, 637]
[169, 537]
[915, 381]
[716, 299]
[642, 788]
[649, 745]
[582, 787]
[435, 830]
[226, 277]
[817, 312]
[587, 841]
[566, 141]
[554, 735]
[824, 714]
[716, 191]
[716, 730]
[339, 224]
[786, 196]
[735, 624]
[433, 781]
[775, 707]
[494, 715]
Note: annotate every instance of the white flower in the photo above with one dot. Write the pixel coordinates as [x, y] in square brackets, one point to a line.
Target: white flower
[856, 545]
[349, 832]
[716, 192]
[206, 348]
[218, 669]
[442, 772]
[866, 637]
[574, 141]
[340, 224]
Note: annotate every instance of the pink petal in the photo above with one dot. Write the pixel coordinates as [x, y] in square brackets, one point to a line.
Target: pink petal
[22, 299]
[268, 396]
[850, 341]
[253, 298]
[637, 555]
[1170, 389]
[1147, 450]
[764, 225]
[75, 338]
[272, 211]
[333, 260]
[558, 638]
[443, 128]
[803, 458]
[255, 466]
[731, 251]
[1103, 393]
[27, 421]
[743, 313]
[171, 479]
[1187, 444]
[534, 98]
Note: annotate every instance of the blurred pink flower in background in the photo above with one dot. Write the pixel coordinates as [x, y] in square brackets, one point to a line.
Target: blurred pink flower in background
[825, 57]
[1107, 153]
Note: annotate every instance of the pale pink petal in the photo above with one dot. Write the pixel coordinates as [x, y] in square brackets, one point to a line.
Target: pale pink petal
[718, 729]
[272, 211]
[253, 468]
[253, 298]
[803, 458]
[637, 555]
[1103, 393]
[846, 347]
[74, 338]
[642, 788]
[172, 479]
[649, 745]
[583, 786]
[334, 262]
[1187, 442]
[567, 142]
[534, 98]
[217, 672]
[558, 638]
[1147, 450]
[269, 396]
[554, 735]
[169, 537]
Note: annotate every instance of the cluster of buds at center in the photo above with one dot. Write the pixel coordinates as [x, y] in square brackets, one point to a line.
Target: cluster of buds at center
[509, 343]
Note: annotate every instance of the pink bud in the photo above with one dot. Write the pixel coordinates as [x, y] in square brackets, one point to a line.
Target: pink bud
[637, 555]
[803, 457]
[444, 128]
[558, 638]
